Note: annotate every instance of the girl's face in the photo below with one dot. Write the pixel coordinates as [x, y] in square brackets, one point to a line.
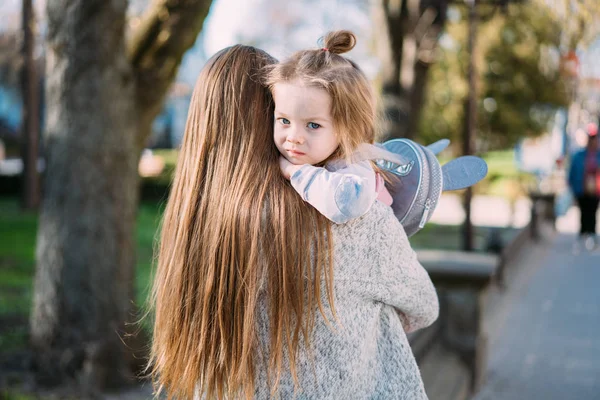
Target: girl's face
[303, 125]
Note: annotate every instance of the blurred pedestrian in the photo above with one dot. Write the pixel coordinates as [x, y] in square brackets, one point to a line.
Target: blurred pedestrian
[584, 181]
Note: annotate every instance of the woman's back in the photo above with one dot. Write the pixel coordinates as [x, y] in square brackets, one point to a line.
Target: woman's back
[231, 221]
[365, 353]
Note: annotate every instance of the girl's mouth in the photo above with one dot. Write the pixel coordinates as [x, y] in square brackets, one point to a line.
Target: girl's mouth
[295, 153]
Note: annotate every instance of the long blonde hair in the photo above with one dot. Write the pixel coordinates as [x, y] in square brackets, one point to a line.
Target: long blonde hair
[353, 105]
[233, 230]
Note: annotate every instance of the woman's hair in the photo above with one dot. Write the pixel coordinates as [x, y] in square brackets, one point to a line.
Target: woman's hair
[234, 230]
[353, 106]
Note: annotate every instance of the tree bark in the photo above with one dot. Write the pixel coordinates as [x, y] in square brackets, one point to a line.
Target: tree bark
[102, 97]
[85, 254]
[30, 128]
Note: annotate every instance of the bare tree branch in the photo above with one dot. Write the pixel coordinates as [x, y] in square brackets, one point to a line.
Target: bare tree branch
[408, 36]
[429, 28]
[166, 31]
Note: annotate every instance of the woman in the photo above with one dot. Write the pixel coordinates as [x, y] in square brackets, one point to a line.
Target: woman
[256, 295]
[584, 180]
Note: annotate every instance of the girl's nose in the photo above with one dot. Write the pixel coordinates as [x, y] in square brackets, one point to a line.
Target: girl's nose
[295, 138]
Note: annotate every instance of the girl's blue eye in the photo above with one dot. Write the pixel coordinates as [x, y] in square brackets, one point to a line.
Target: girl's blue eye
[313, 125]
[284, 121]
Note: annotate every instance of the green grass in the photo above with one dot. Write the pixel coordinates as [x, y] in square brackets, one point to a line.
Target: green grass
[504, 179]
[503, 160]
[148, 221]
[168, 155]
[17, 264]
[17, 255]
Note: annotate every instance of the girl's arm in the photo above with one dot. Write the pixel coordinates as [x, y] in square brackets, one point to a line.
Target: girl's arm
[340, 196]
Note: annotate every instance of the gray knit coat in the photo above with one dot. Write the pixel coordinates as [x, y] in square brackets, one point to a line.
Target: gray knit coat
[381, 292]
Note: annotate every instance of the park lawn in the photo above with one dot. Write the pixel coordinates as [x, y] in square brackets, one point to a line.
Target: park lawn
[17, 238]
[17, 265]
[504, 179]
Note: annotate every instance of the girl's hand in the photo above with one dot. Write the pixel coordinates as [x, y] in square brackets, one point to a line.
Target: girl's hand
[287, 168]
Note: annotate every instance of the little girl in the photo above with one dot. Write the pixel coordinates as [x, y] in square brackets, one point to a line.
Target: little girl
[324, 109]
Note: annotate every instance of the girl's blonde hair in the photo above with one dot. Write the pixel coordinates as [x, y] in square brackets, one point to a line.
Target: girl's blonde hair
[234, 231]
[353, 107]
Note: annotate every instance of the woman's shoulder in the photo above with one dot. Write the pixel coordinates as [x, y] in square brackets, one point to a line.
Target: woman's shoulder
[377, 222]
[382, 214]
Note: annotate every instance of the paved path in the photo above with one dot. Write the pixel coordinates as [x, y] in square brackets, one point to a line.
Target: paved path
[545, 333]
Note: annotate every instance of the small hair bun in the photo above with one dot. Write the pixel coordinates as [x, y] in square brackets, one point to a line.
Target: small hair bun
[339, 42]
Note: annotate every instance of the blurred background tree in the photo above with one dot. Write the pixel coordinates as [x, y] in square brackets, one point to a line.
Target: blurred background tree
[519, 79]
[407, 35]
[102, 95]
[522, 86]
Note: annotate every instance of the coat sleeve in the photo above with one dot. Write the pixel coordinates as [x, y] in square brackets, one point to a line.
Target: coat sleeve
[387, 270]
[340, 196]
[408, 287]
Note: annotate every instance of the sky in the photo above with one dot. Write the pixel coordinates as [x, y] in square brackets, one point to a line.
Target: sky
[223, 21]
[9, 9]
[281, 27]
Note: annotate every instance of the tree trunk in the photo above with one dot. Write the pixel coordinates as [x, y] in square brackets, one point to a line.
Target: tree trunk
[407, 39]
[428, 30]
[30, 128]
[390, 21]
[102, 97]
[85, 250]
